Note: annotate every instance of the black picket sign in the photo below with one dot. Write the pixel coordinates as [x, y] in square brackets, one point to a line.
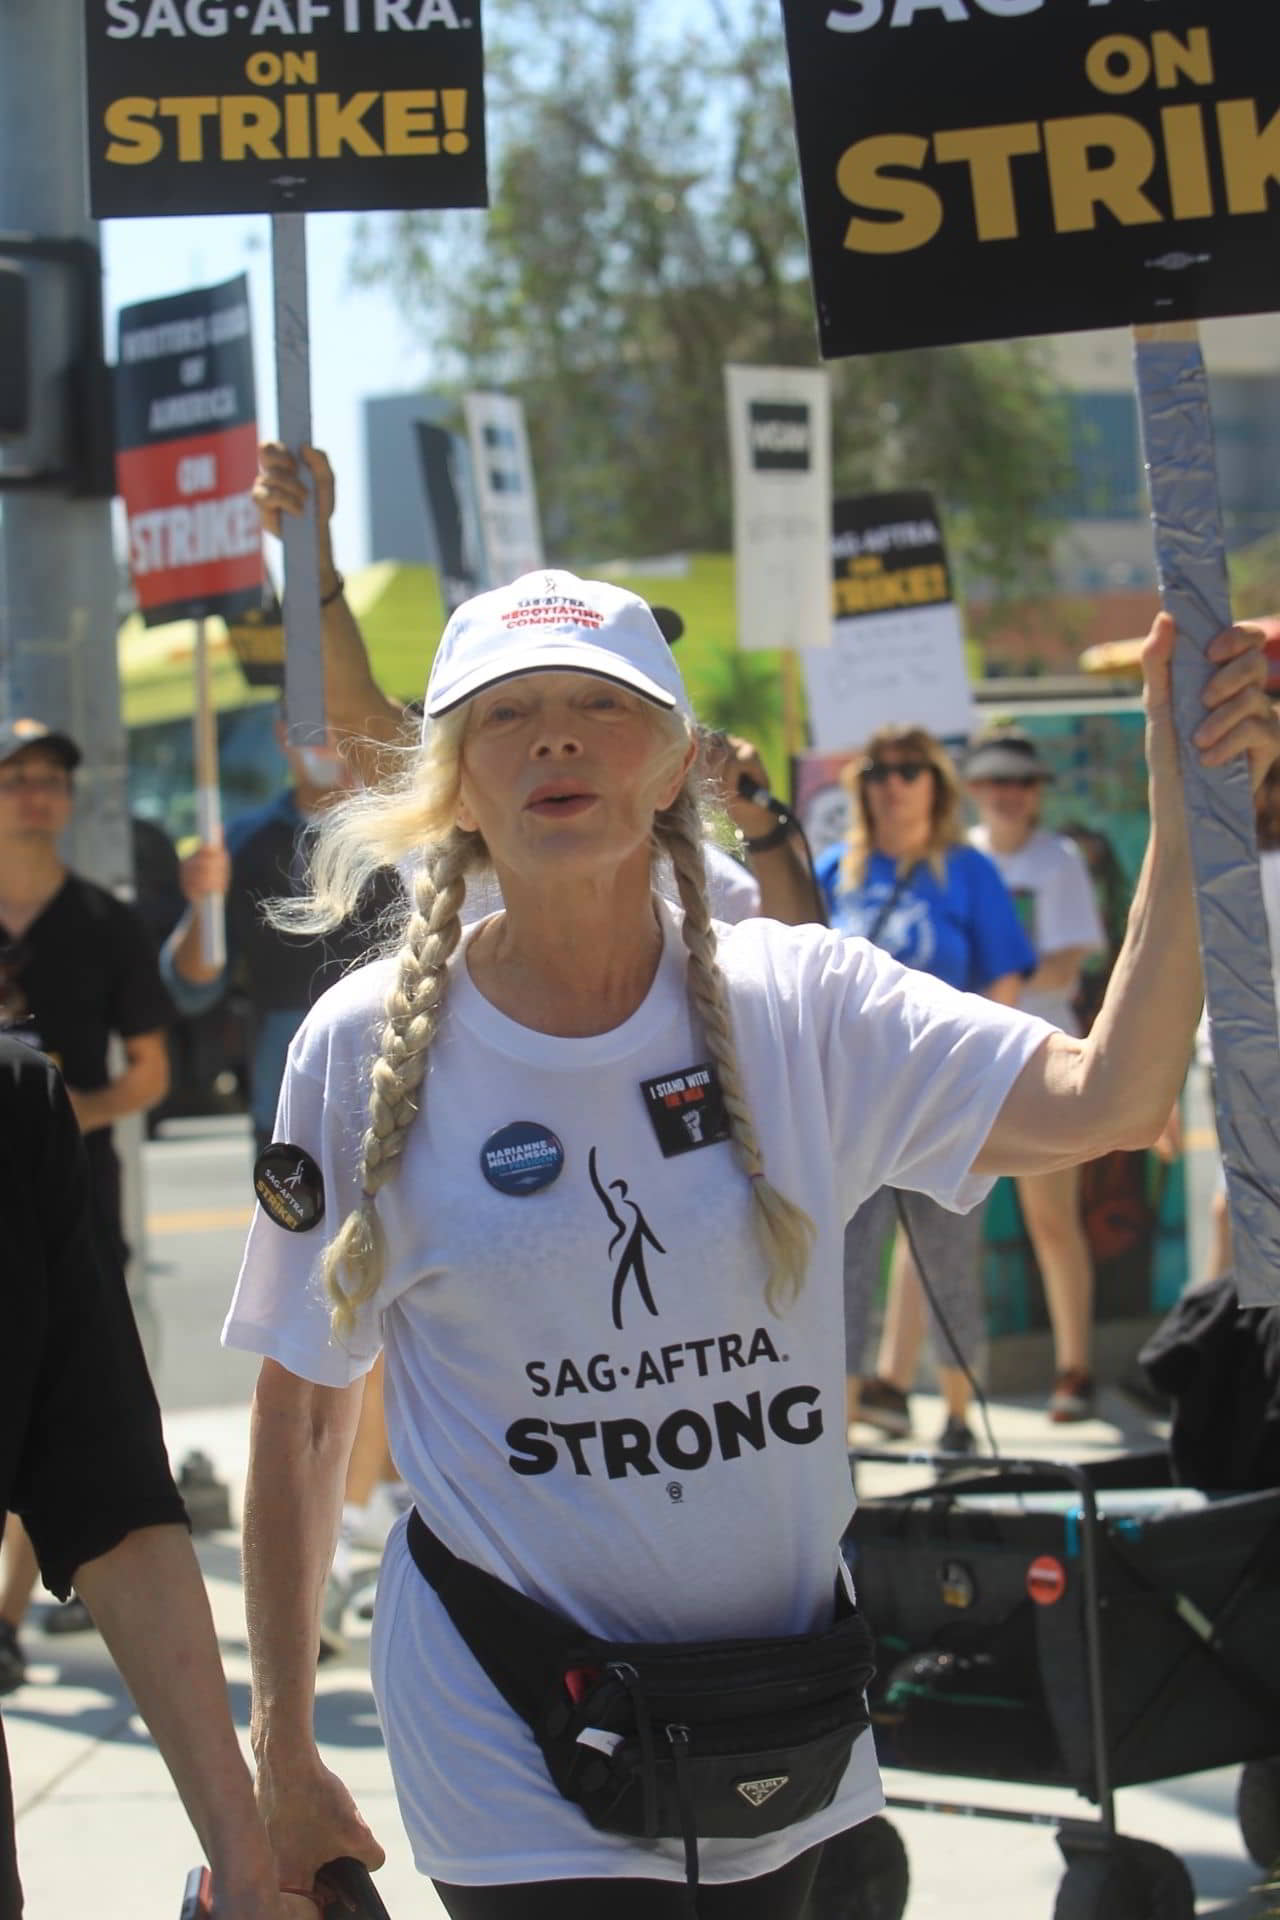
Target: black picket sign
[980, 169]
[284, 106]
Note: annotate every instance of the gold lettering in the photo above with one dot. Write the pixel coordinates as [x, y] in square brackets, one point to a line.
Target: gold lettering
[1187, 155]
[134, 141]
[408, 122]
[1079, 188]
[916, 207]
[249, 126]
[338, 125]
[1133, 72]
[1176, 61]
[988, 152]
[1250, 155]
[190, 112]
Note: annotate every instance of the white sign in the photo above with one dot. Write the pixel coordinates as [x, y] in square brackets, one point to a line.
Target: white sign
[505, 492]
[780, 441]
[889, 669]
[897, 651]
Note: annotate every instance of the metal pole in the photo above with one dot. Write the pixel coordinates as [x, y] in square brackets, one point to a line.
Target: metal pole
[303, 629]
[1191, 553]
[57, 574]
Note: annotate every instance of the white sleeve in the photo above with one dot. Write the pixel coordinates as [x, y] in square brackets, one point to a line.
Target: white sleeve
[914, 1072]
[279, 1308]
[734, 895]
[1067, 908]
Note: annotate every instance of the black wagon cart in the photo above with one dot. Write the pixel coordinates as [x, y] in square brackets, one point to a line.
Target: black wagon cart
[1083, 1626]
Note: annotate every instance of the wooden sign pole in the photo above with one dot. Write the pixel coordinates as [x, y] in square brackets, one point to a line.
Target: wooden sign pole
[303, 625]
[1191, 560]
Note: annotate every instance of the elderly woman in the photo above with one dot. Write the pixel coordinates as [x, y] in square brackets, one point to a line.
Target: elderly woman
[907, 881]
[582, 1170]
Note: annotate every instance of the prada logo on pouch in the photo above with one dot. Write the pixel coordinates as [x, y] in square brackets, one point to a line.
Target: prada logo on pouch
[756, 1792]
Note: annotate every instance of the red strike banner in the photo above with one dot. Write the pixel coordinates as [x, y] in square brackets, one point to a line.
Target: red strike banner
[186, 439]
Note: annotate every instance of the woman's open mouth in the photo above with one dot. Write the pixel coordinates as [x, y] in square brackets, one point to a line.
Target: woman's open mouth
[559, 806]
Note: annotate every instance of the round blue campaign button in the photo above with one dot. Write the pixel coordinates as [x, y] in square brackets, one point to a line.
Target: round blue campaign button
[521, 1158]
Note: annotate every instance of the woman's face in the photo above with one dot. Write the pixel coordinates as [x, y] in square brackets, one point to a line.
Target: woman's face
[563, 773]
[899, 786]
[1012, 804]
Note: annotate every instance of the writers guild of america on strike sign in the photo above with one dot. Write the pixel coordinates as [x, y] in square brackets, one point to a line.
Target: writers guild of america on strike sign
[978, 169]
[278, 106]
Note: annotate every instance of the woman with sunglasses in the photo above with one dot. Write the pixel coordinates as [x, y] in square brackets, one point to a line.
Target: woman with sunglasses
[908, 881]
[1050, 884]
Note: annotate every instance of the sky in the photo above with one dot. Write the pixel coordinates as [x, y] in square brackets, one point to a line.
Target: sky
[359, 344]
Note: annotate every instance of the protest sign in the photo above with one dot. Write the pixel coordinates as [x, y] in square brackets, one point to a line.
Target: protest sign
[187, 440]
[256, 637]
[978, 169]
[780, 442]
[506, 496]
[283, 105]
[897, 650]
[444, 463]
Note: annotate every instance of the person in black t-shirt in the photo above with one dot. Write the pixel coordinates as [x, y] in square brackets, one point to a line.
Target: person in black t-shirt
[82, 1459]
[76, 967]
[76, 964]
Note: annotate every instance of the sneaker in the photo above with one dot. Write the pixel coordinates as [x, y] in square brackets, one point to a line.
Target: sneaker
[333, 1644]
[13, 1668]
[72, 1616]
[1072, 1397]
[957, 1437]
[367, 1527]
[885, 1407]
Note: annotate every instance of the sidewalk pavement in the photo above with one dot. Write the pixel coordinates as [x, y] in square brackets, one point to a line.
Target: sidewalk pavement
[100, 1830]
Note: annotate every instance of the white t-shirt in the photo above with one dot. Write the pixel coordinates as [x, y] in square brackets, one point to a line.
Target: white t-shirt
[1056, 903]
[585, 1390]
[733, 894]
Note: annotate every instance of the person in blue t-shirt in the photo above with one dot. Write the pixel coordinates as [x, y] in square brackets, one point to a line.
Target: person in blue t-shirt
[907, 880]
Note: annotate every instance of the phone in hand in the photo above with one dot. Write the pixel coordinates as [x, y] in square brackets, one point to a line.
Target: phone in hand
[197, 1896]
[353, 1888]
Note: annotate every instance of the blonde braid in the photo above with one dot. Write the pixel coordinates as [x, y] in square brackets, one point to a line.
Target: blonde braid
[356, 1254]
[784, 1230]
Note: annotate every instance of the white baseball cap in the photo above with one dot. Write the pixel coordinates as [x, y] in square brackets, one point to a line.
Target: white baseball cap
[553, 622]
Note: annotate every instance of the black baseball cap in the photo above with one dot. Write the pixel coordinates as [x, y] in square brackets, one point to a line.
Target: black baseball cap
[15, 735]
[1007, 755]
[670, 625]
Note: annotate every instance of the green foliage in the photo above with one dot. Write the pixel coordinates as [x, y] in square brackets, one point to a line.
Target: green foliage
[645, 230]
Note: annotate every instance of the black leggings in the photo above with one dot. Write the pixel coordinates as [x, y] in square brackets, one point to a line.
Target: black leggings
[783, 1895]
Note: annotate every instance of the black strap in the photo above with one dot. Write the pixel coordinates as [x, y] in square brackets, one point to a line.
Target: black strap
[899, 887]
[522, 1645]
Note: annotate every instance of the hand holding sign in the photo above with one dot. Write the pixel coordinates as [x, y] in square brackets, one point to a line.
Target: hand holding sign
[280, 487]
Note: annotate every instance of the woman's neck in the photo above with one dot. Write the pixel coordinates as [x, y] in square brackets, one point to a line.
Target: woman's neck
[1004, 836]
[575, 964]
[903, 843]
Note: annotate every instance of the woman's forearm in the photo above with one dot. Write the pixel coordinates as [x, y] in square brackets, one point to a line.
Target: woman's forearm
[1135, 1058]
[300, 1441]
[148, 1600]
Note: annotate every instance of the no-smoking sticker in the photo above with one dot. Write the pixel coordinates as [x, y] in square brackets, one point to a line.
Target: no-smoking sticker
[1046, 1580]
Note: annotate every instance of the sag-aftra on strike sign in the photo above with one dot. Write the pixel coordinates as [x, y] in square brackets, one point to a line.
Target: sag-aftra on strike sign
[284, 106]
[976, 169]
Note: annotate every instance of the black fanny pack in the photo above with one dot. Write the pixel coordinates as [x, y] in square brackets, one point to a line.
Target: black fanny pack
[723, 1739]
